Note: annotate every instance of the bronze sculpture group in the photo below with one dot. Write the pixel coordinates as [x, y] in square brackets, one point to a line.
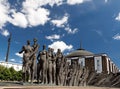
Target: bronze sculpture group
[29, 60]
[54, 68]
[48, 65]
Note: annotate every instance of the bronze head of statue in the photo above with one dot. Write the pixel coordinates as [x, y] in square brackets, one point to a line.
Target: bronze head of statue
[35, 40]
[28, 42]
[44, 47]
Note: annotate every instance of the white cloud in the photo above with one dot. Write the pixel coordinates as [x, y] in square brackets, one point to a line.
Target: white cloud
[60, 22]
[19, 55]
[70, 31]
[37, 3]
[37, 16]
[116, 37]
[32, 13]
[4, 17]
[60, 45]
[16, 42]
[5, 32]
[73, 2]
[106, 1]
[53, 37]
[4, 11]
[118, 17]
[19, 19]
[99, 32]
[13, 60]
[55, 2]
[63, 23]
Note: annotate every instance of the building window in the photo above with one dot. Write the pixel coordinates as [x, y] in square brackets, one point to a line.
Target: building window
[81, 63]
[98, 65]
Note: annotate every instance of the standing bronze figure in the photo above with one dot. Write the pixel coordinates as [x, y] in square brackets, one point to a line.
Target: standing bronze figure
[35, 48]
[59, 59]
[49, 58]
[27, 49]
[53, 66]
[43, 65]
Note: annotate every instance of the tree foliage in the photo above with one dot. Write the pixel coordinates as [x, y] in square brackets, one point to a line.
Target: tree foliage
[9, 74]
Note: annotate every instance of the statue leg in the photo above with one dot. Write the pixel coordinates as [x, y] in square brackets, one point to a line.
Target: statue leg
[59, 80]
[58, 77]
[33, 69]
[44, 74]
[32, 76]
[41, 72]
[54, 74]
[38, 72]
[50, 73]
[46, 78]
[23, 76]
[63, 79]
[29, 75]
[33, 72]
[24, 73]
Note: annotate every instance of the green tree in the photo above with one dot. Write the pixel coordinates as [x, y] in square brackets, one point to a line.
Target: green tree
[10, 74]
[1, 72]
[13, 74]
[19, 75]
[7, 74]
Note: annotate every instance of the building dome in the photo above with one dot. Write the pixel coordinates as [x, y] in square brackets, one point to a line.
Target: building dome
[79, 53]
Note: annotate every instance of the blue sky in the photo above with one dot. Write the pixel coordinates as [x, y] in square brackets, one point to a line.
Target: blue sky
[61, 24]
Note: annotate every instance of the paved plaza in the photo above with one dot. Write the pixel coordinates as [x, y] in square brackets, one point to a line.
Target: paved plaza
[53, 87]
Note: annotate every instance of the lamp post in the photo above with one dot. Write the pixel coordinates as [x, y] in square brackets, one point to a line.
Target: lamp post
[8, 49]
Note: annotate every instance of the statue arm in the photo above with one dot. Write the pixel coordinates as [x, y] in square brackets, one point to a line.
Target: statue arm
[38, 57]
[46, 54]
[62, 55]
[22, 50]
[37, 47]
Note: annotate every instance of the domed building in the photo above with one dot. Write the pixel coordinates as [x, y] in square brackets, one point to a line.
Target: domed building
[79, 53]
[100, 63]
